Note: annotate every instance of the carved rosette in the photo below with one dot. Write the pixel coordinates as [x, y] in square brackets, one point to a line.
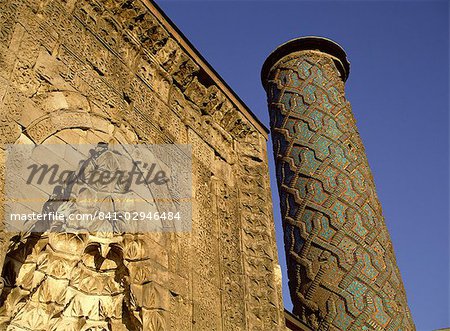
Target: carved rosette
[341, 265]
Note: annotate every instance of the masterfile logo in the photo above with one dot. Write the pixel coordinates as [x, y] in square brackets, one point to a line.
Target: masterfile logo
[98, 188]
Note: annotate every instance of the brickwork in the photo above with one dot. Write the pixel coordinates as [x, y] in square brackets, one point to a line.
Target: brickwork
[341, 264]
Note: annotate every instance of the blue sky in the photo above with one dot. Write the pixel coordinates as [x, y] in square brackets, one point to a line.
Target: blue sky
[399, 90]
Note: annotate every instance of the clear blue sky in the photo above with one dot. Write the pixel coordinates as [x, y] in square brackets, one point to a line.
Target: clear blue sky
[399, 90]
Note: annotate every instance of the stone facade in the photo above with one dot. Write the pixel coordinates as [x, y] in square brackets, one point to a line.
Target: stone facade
[88, 71]
[341, 265]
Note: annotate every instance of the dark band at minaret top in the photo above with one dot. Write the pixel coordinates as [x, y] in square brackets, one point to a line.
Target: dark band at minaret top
[324, 45]
[341, 264]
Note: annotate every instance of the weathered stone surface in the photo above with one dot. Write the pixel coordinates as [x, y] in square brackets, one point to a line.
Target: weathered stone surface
[83, 72]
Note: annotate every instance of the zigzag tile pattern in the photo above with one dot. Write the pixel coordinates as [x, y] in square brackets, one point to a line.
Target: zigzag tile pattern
[342, 269]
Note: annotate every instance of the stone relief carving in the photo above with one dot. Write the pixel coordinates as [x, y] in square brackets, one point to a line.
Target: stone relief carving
[100, 71]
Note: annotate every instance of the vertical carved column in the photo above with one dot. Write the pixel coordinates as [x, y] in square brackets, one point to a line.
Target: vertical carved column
[341, 265]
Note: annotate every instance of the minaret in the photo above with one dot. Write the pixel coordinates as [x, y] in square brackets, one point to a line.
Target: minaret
[341, 265]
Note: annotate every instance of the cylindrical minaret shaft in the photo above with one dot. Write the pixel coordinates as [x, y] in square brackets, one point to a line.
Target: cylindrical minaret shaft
[342, 269]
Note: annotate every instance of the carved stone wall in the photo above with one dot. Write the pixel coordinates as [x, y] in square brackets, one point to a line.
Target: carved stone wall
[117, 71]
[341, 265]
